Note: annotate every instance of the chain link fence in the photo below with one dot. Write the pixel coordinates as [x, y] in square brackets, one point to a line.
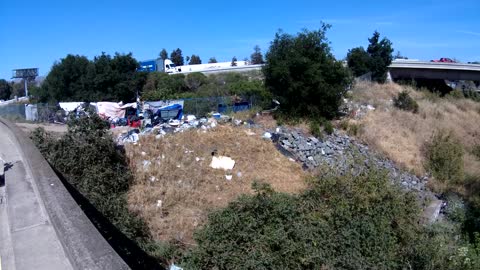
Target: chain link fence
[32, 112]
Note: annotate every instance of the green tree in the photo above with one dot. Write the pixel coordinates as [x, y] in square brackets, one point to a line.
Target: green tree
[257, 57]
[5, 89]
[358, 60]
[195, 60]
[212, 60]
[234, 62]
[302, 73]
[105, 78]
[380, 52]
[177, 57]
[163, 54]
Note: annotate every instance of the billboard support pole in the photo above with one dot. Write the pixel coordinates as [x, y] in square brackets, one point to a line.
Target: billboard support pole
[26, 87]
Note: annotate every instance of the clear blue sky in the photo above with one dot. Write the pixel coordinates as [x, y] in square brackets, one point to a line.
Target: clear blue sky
[37, 33]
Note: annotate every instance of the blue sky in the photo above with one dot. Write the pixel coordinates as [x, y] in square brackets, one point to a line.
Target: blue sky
[38, 33]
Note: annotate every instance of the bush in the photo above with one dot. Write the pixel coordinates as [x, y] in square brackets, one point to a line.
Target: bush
[339, 222]
[315, 129]
[405, 102]
[328, 127]
[444, 157]
[88, 159]
[476, 151]
[302, 73]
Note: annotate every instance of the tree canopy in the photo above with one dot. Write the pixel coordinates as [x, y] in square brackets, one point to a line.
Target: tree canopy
[195, 60]
[212, 60]
[376, 59]
[257, 57]
[177, 57]
[163, 54]
[5, 89]
[304, 75]
[105, 78]
[234, 62]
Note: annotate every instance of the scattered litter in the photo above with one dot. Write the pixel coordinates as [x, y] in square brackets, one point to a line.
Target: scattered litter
[222, 162]
[197, 159]
[153, 179]
[191, 117]
[174, 122]
[178, 166]
[159, 203]
[143, 154]
[237, 122]
[249, 132]
[146, 164]
[239, 174]
[216, 115]
[291, 159]
[52, 184]
[163, 156]
[267, 135]
[174, 267]
[228, 177]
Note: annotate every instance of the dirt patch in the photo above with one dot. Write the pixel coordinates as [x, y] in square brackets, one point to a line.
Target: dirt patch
[175, 188]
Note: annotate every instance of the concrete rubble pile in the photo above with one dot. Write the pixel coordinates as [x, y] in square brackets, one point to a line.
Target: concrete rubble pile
[338, 151]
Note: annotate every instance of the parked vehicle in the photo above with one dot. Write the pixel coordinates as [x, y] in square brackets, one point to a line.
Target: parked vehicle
[210, 66]
[158, 65]
[444, 60]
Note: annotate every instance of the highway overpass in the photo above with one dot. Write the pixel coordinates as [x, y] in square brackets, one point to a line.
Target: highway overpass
[402, 70]
[407, 70]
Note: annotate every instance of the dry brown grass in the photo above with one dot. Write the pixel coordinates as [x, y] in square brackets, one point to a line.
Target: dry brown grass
[402, 135]
[189, 188]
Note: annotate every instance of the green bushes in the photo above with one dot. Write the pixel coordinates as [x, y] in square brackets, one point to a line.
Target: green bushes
[302, 73]
[405, 102]
[316, 127]
[444, 157]
[339, 222]
[88, 159]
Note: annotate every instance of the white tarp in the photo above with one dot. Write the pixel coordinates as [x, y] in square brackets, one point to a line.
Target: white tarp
[110, 110]
[70, 106]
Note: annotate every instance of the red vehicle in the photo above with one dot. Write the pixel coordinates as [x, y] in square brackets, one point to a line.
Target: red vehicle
[443, 60]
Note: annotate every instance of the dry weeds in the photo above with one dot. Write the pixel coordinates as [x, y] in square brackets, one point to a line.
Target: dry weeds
[176, 192]
[401, 135]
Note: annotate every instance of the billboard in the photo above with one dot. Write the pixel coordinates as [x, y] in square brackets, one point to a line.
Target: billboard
[149, 66]
[25, 73]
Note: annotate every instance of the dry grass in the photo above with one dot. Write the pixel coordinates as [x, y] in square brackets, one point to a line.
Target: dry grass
[401, 135]
[189, 188]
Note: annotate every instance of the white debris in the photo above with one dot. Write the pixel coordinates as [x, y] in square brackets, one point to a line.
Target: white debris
[191, 117]
[228, 177]
[159, 203]
[267, 135]
[239, 174]
[143, 154]
[197, 159]
[249, 132]
[153, 179]
[222, 162]
[146, 164]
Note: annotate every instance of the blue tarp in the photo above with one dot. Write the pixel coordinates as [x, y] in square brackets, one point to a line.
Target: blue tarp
[174, 111]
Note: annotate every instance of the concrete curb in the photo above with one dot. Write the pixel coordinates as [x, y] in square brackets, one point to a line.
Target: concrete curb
[82, 242]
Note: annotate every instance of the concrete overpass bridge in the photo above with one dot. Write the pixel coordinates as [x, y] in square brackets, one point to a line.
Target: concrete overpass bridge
[408, 70]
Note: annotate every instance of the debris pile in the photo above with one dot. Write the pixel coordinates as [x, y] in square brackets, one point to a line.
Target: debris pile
[339, 151]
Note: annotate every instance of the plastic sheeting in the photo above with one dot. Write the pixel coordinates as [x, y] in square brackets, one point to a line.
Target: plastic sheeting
[70, 106]
[110, 110]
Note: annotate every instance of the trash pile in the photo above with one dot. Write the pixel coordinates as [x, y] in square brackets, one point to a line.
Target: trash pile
[355, 110]
[161, 128]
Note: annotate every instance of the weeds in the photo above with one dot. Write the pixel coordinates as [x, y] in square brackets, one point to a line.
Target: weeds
[405, 102]
[445, 157]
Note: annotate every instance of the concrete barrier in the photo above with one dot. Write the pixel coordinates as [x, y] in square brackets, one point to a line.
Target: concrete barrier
[83, 244]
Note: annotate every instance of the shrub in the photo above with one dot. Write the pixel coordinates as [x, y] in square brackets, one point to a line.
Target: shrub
[88, 159]
[476, 151]
[339, 222]
[302, 73]
[315, 129]
[444, 157]
[328, 127]
[405, 102]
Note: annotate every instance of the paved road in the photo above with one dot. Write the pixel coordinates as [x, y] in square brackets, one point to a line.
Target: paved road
[27, 237]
